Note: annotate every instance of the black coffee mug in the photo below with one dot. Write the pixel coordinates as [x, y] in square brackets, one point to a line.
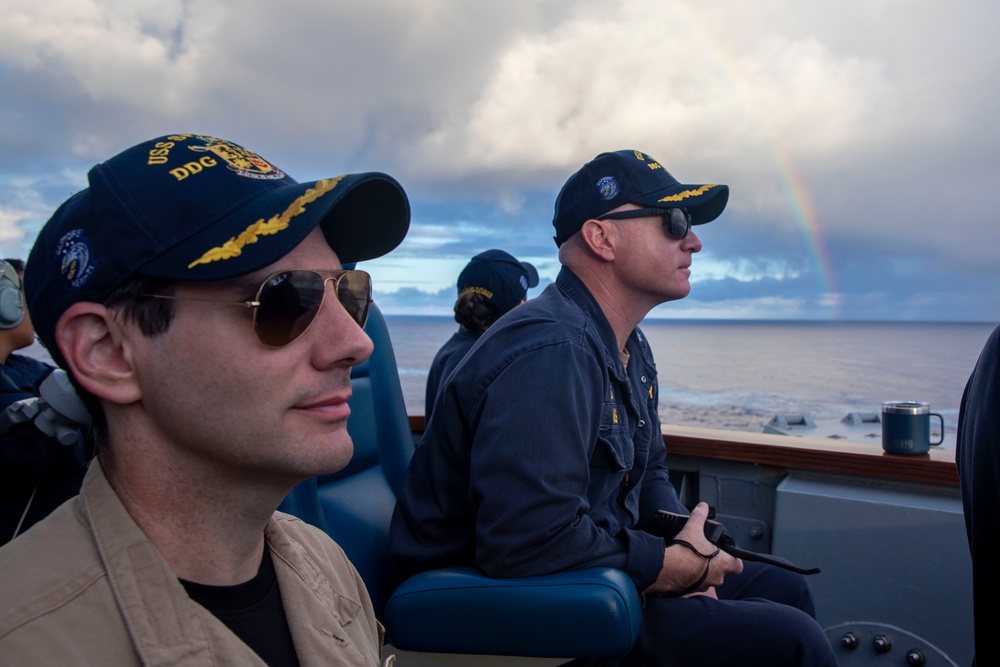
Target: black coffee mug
[906, 427]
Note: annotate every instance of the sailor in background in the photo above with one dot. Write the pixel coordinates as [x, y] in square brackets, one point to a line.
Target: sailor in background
[491, 284]
[37, 472]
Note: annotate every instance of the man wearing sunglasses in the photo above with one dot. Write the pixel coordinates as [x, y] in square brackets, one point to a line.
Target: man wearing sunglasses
[196, 294]
[551, 435]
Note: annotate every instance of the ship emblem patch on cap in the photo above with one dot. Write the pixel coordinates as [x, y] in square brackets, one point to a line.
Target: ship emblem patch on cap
[608, 188]
[76, 262]
[243, 162]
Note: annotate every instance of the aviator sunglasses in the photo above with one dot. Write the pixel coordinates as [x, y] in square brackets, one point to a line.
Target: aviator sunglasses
[677, 221]
[288, 302]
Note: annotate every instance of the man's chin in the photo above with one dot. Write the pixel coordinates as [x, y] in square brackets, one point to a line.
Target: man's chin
[338, 454]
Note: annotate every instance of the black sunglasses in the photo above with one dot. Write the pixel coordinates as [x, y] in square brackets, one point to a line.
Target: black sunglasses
[677, 221]
[288, 302]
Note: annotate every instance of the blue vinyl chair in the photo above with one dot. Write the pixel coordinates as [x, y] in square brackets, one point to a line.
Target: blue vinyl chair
[586, 613]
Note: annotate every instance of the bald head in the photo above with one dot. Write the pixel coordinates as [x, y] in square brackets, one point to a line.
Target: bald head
[596, 244]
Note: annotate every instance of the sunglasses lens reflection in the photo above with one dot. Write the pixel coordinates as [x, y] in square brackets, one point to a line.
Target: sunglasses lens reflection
[678, 222]
[354, 294]
[290, 301]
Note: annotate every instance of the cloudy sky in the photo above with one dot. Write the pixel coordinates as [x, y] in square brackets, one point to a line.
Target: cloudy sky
[860, 138]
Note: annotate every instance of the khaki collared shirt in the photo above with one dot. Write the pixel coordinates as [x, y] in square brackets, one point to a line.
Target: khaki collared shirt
[85, 587]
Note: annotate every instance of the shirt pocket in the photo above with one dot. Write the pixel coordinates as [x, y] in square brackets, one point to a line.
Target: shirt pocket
[615, 451]
[608, 456]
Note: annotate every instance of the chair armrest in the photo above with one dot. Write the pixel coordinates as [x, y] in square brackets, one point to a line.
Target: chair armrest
[588, 613]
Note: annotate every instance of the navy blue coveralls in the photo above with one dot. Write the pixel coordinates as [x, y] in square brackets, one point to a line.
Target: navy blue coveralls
[444, 363]
[544, 454]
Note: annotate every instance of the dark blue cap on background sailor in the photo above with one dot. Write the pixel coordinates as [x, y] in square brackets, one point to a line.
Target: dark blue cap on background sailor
[624, 177]
[499, 277]
[190, 207]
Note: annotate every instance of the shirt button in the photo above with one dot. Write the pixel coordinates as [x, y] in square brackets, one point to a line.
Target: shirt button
[642, 422]
[644, 379]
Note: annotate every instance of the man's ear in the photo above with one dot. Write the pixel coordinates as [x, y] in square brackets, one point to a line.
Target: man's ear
[598, 235]
[98, 353]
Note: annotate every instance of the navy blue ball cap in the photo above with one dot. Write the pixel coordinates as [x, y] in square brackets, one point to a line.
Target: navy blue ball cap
[611, 180]
[189, 207]
[499, 277]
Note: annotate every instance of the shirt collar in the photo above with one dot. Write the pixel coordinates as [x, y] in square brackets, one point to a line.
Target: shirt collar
[577, 291]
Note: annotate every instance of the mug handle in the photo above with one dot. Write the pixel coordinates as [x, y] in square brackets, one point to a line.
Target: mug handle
[941, 419]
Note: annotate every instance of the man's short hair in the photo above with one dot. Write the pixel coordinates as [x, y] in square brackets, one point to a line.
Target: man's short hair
[152, 316]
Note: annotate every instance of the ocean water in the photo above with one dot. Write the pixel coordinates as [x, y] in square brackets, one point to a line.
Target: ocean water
[737, 375]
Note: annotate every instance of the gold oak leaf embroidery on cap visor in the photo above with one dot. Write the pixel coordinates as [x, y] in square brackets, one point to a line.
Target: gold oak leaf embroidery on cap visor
[234, 246]
[690, 193]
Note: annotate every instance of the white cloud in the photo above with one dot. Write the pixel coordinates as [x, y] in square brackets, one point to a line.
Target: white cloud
[871, 121]
[24, 207]
[706, 267]
[622, 79]
[116, 50]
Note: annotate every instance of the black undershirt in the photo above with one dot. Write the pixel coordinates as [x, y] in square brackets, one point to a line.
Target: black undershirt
[253, 611]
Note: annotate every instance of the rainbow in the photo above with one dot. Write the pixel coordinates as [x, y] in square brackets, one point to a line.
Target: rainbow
[801, 205]
[807, 220]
